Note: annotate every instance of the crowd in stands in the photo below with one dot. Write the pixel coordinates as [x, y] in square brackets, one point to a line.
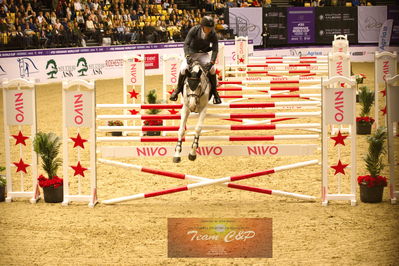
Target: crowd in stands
[28, 24]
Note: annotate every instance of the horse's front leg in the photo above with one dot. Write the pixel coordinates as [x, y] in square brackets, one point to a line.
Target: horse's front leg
[182, 129]
[193, 152]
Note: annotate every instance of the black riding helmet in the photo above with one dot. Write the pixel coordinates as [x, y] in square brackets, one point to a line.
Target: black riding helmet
[207, 21]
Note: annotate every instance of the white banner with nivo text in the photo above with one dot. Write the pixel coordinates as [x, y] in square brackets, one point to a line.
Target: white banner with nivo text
[134, 72]
[339, 109]
[385, 66]
[227, 150]
[19, 105]
[78, 106]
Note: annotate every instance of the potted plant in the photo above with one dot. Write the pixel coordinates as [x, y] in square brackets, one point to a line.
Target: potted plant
[47, 146]
[359, 80]
[372, 185]
[364, 121]
[152, 99]
[118, 123]
[3, 182]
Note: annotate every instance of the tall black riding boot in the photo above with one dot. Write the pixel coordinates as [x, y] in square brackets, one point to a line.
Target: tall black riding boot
[214, 92]
[179, 88]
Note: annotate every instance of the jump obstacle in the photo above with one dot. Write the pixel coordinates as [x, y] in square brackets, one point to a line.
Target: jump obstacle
[19, 103]
[392, 103]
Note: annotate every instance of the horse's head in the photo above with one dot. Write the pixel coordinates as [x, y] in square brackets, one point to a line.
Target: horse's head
[196, 86]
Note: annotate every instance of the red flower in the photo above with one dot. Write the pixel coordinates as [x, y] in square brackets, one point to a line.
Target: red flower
[365, 119]
[371, 181]
[45, 182]
[153, 122]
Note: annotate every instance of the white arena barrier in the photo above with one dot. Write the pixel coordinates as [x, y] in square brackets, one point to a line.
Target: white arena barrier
[19, 107]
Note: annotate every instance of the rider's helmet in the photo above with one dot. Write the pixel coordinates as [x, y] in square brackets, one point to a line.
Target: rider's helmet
[207, 21]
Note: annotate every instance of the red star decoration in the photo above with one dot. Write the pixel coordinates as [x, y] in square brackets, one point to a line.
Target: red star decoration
[133, 94]
[339, 139]
[170, 92]
[133, 112]
[217, 71]
[79, 170]
[21, 166]
[241, 60]
[384, 110]
[339, 168]
[384, 93]
[78, 141]
[20, 138]
[173, 111]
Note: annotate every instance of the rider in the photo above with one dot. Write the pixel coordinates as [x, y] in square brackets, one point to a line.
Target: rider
[196, 47]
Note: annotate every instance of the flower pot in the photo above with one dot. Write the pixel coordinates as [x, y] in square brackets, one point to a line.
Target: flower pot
[53, 195]
[2, 193]
[117, 133]
[153, 133]
[371, 194]
[363, 128]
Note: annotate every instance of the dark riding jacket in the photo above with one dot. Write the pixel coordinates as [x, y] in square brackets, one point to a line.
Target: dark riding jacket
[195, 44]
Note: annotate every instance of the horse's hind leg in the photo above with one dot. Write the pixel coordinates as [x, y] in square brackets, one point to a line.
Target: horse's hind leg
[184, 116]
[193, 152]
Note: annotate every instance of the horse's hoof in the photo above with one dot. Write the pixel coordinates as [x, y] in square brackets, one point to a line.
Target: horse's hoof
[176, 159]
[192, 157]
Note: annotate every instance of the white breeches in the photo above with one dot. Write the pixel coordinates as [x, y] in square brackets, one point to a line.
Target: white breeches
[202, 58]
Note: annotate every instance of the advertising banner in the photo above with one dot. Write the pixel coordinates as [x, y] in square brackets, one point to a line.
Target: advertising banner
[220, 237]
[339, 111]
[19, 104]
[247, 22]
[276, 20]
[55, 65]
[370, 21]
[393, 13]
[301, 24]
[79, 110]
[336, 20]
[385, 34]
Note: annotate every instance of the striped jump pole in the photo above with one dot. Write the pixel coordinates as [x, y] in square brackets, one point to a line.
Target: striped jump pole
[264, 81]
[222, 116]
[206, 182]
[305, 71]
[269, 88]
[223, 105]
[211, 138]
[288, 57]
[210, 127]
[203, 179]
[289, 61]
[268, 96]
[286, 66]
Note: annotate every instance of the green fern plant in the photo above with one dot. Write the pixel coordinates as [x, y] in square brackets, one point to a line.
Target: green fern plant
[152, 99]
[373, 160]
[47, 146]
[366, 100]
[3, 180]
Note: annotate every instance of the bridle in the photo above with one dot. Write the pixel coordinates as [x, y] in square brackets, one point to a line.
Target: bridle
[195, 82]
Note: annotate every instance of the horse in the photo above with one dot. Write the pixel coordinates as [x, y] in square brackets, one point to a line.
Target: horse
[195, 99]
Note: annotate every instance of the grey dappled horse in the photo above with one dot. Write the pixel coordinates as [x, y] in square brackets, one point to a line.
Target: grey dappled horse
[195, 99]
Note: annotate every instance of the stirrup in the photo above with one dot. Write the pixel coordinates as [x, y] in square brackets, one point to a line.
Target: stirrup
[216, 100]
[174, 96]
